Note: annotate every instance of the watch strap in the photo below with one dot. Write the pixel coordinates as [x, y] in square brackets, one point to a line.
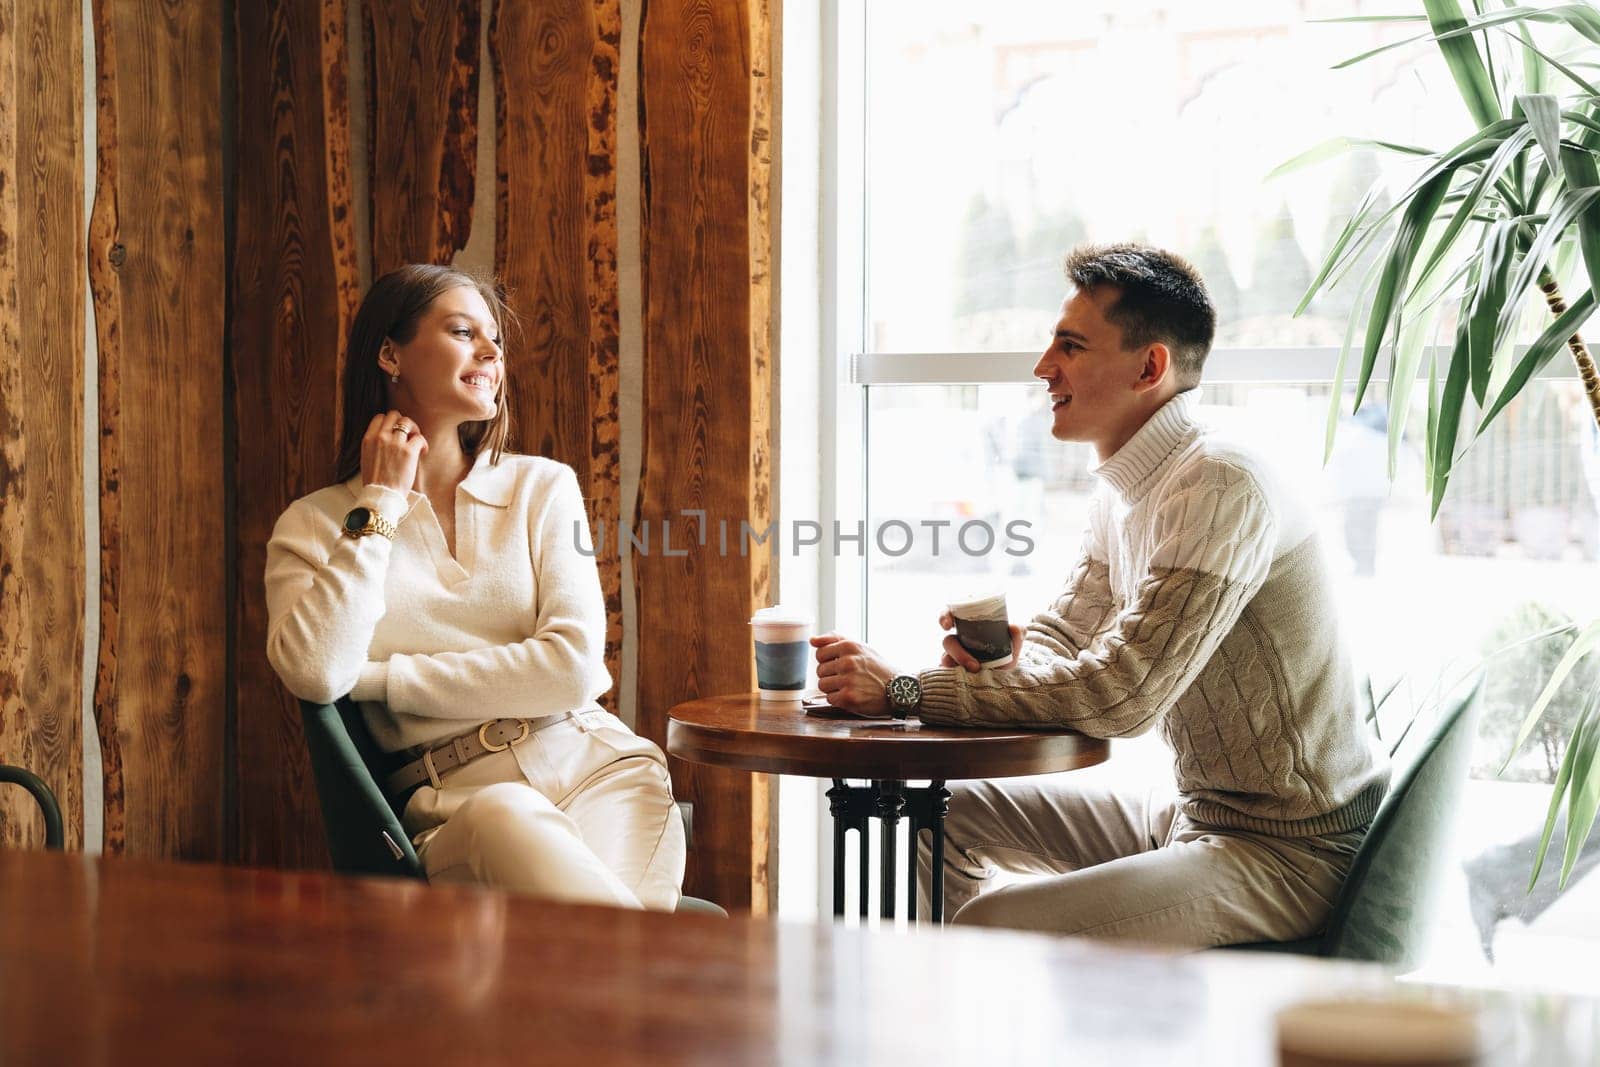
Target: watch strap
[375, 524]
[380, 525]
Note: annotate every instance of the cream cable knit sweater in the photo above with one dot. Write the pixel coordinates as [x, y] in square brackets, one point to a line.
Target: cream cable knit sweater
[431, 644]
[1201, 602]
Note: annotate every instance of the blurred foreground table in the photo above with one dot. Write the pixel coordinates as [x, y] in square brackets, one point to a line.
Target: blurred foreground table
[113, 961]
[746, 733]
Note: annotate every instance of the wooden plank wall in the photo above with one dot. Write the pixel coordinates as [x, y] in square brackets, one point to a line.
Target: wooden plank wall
[707, 398]
[156, 263]
[556, 76]
[422, 127]
[555, 71]
[296, 284]
[41, 411]
[163, 291]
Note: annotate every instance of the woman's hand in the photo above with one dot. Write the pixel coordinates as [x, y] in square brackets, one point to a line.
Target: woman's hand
[957, 656]
[390, 451]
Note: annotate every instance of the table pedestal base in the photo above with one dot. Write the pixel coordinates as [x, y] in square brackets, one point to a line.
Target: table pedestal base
[889, 800]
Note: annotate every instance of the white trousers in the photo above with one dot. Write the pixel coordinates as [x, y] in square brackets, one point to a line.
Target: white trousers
[1125, 864]
[581, 811]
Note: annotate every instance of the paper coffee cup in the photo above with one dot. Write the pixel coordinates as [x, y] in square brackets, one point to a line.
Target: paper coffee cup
[983, 628]
[1378, 1032]
[782, 639]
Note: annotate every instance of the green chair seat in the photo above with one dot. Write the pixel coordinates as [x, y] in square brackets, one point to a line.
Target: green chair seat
[361, 822]
[1382, 911]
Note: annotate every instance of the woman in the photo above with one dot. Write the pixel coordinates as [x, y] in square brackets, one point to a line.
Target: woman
[440, 584]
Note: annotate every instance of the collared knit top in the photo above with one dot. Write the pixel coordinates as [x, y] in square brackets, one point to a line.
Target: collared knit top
[1201, 603]
[512, 626]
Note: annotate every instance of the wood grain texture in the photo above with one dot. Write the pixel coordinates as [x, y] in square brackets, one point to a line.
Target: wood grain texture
[105, 256]
[156, 260]
[555, 70]
[764, 380]
[204, 964]
[422, 129]
[707, 404]
[41, 411]
[340, 200]
[296, 286]
[745, 732]
[605, 377]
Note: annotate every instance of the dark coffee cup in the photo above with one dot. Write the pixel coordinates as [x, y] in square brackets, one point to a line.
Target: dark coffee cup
[983, 629]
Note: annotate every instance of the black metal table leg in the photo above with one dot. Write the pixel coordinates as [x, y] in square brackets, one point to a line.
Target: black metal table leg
[939, 798]
[838, 807]
[853, 807]
[864, 898]
[913, 841]
[926, 808]
[891, 802]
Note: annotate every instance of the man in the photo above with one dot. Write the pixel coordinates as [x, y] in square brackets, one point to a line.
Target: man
[1201, 605]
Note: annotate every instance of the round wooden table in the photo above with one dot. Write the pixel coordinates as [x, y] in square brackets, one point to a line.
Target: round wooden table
[746, 733]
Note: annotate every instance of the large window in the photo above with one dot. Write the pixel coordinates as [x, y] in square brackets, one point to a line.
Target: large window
[992, 138]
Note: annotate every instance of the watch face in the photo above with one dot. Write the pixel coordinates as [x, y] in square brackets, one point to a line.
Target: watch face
[356, 520]
[904, 691]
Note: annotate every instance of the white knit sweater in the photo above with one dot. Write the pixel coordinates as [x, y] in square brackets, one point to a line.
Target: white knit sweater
[1202, 603]
[512, 626]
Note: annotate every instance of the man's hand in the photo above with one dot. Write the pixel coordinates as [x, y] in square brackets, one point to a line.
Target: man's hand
[956, 656]
[852, 676]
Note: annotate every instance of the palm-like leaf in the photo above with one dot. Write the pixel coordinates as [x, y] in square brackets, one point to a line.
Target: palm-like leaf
[1489, 225]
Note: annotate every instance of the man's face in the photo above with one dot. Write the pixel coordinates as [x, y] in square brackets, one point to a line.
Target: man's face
[1093, 380]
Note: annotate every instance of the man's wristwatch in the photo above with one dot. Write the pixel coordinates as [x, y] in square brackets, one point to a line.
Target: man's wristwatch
[904, 693]
[363, 521]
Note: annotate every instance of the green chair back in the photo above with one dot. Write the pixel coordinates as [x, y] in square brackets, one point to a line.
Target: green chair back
[1382, 911]
[362, 826]
[42, 795]
[362, 823]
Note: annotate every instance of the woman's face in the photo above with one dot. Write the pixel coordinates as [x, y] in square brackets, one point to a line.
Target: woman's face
[452, 369]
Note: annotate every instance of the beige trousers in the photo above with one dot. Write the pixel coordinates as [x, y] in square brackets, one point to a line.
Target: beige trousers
[580, 811]
[1125, 864]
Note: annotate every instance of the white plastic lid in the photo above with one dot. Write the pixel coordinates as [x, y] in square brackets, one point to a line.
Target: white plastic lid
[990, 605]
[780, 614]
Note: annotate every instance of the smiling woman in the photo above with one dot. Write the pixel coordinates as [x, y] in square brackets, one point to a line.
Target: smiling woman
[471, 629]
[445, 325]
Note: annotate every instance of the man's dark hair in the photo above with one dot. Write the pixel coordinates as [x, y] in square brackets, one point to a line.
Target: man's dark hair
[1161, 298]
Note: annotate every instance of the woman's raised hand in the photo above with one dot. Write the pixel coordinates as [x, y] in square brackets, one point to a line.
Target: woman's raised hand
[390, 451]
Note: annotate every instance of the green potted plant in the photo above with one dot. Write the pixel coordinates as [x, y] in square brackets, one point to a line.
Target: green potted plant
[1491, 225]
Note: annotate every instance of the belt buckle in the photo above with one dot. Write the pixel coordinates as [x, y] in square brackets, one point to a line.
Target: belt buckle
[483, 738]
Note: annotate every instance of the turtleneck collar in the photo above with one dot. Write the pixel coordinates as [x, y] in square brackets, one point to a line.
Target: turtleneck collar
[1130, 468]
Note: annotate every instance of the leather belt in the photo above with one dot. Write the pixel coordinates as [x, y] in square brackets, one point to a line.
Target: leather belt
[496, 735]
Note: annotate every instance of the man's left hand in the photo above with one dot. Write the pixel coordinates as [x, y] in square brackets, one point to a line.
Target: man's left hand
[955, 655]
[852, 676]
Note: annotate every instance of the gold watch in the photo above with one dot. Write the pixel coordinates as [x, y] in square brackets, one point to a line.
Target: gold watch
[363, 521]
